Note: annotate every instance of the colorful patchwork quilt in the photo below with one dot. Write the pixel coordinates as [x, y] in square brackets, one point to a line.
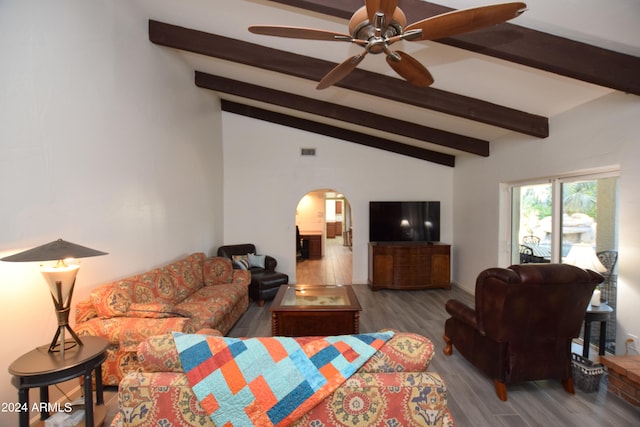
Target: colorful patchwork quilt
[269, 381]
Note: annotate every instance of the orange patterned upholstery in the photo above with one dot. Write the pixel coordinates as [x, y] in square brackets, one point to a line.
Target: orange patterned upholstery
[393, 388]
[187, 295]
[405, 351]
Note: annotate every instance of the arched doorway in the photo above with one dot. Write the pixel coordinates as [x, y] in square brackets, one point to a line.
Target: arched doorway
[323, 221]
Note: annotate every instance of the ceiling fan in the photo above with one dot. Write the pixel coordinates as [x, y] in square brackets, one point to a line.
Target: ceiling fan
[380, 23]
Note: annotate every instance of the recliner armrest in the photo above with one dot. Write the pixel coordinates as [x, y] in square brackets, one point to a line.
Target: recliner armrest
[270, 263]
[462, 312]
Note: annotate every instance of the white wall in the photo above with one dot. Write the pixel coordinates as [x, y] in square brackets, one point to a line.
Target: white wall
[269, 177]
[603, 133]
[104, 141]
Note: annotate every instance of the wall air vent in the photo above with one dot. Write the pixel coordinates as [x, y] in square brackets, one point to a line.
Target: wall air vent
[307, 151]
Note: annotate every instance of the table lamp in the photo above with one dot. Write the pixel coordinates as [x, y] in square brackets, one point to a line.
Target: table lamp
[61, 279]
[584, 256]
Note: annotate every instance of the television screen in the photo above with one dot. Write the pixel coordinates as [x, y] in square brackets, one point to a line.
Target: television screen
[404, 221]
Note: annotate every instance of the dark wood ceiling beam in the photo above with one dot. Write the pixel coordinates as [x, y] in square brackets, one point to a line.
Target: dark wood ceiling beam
[517, 44]
[360, 80]
[342, 113]
[338, 133]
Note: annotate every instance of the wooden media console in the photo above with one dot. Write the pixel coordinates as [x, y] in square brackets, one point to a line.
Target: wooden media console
[409, 265]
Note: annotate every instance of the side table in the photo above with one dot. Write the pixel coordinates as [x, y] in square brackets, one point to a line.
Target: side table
[40, 368]
[599, 313]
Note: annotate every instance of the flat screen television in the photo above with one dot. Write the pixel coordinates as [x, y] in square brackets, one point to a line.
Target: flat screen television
[404, 222]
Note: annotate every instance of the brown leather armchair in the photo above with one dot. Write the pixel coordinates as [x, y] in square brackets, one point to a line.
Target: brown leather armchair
[524, 320]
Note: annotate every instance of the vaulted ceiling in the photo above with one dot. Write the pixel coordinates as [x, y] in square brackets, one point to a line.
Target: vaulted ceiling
[507, 78]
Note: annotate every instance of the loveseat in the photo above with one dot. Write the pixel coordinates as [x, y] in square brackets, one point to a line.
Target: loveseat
[392, 388]
[265, 280]
[187, 295]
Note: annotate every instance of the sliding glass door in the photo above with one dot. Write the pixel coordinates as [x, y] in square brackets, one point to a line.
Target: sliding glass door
[553, 220]
[532, 231]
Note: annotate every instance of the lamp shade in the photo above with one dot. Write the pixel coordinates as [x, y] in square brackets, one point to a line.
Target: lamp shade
[61, 279]
[56, 250]
[584, 256]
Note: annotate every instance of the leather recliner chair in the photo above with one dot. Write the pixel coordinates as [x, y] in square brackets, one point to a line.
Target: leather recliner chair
[524, 321]
[266, 281]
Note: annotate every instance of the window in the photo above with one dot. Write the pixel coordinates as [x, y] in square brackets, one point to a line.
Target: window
[532, 208]
[549, 217]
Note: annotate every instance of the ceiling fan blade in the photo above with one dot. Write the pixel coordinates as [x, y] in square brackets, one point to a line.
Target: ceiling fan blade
[464, 20]
[386, 7]
[299, 33]
[410, 69]
[341, 71]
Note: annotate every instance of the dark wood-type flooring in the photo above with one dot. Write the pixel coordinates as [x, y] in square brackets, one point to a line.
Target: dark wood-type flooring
[333, 269]
[472, 397]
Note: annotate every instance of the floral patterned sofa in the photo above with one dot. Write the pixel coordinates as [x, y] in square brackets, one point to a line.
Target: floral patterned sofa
[185, 296]
[393, 388]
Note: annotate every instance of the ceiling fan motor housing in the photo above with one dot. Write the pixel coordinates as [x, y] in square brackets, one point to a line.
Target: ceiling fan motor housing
[361, 28]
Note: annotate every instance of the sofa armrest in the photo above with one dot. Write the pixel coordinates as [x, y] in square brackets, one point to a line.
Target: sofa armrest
[242, 277]
[137, 330]
[129, 332]
[85, 311]
[159, 353]
[462, 312]
[158, 399]
[404, 352]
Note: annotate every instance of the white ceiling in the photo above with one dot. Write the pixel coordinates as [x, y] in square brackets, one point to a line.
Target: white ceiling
[611, 24]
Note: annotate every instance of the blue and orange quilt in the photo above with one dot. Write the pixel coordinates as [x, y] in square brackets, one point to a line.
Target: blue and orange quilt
[270, 381]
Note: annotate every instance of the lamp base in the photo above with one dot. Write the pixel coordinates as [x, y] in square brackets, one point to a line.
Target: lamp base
[58, 347]
[61, 345]
[69, 346]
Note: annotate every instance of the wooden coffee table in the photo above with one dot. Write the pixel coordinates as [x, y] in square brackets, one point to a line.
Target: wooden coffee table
[303, 310]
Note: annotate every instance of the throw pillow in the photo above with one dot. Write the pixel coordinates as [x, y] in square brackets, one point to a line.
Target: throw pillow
[217, 270]
[256, 260]
[112, 300]
[241, 261]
